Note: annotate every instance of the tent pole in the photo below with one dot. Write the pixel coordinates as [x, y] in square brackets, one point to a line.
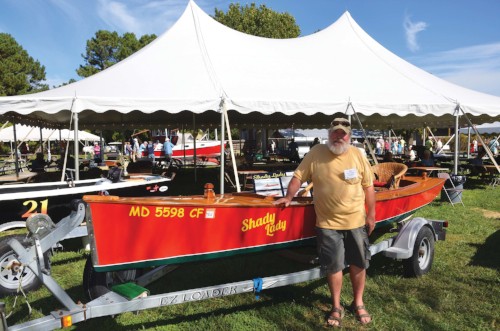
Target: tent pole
[41, 140]
[76, 147]
[468, 141]
[222, 134]
[233, 159]
[457, 140]
[194, 148]
[16, 156]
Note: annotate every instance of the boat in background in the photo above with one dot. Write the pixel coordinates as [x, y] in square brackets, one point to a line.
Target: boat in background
[184, 145]
[19, 201]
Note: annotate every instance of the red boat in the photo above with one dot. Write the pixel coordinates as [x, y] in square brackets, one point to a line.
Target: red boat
[184, 146]
[154, 231]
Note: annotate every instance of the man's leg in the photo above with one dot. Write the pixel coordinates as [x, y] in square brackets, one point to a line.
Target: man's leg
[358, 278]
[335, 285]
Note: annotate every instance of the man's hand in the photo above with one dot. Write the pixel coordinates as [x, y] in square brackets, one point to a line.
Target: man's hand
[283, 202]
[370, 224]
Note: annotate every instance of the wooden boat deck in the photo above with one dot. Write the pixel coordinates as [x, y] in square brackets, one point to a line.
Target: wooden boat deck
[409, 186]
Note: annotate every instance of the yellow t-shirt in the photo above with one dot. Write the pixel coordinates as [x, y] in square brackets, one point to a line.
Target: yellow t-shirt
[339, 199]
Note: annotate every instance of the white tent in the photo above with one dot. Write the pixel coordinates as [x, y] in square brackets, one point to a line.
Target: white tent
[198, 63]
[486, 128]
[200, 66]
[28, 133]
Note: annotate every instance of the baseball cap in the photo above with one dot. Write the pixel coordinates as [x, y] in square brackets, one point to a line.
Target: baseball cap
[341, 123]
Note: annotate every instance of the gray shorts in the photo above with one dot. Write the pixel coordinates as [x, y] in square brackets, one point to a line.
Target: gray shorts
[340, 248]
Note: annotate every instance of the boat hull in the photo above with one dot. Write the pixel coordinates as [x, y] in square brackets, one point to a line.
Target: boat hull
[138, 232]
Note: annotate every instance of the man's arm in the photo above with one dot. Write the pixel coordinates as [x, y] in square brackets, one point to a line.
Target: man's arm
[293, 187]
[370, 213]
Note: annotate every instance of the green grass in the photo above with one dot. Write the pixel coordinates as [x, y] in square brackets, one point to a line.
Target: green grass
[461, 292]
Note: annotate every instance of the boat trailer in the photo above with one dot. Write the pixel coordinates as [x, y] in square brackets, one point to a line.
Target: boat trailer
[413, 243]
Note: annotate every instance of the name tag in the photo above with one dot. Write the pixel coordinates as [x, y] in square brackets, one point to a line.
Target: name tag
[350, 174]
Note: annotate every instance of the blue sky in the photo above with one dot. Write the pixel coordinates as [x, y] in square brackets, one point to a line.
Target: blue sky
[458, 40]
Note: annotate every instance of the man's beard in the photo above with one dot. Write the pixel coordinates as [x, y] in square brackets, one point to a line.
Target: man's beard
[339, 148]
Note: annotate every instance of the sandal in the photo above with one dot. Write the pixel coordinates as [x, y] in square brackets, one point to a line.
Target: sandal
[333, 319]
[359, 317]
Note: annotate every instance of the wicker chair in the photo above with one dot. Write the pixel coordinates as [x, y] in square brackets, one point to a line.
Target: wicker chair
[388, 174]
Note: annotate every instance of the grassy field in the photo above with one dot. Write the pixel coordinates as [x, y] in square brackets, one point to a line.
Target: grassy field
[461, 292]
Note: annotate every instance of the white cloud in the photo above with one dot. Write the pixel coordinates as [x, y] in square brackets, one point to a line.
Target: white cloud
[71, 11]
[118, 16]
[140, 16]
[476, 67]
[411, 30]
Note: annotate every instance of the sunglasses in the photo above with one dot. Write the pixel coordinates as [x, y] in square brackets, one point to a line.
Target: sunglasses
[343, 123]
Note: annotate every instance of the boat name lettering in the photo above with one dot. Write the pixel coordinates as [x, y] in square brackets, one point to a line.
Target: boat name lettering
[198, 295]
[268, 222]
[267, 176]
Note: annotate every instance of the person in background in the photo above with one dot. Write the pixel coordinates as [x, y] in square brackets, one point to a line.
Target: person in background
[293, 149]
[439, 145]
[128, 150]
[493, 145]
[97, 153]
[38, 164]
[135, 148]
[379, 146]
[142, 148]
[427, 159]
[388, 157]
[387, 146]
[167, 147]
[315, 142]
[411, 153]
[401, 146]
[150, 148]
[429, 144]
[343, 186]
[478, 160]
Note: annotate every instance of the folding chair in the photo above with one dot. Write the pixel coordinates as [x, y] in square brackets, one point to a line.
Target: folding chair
[451, 191]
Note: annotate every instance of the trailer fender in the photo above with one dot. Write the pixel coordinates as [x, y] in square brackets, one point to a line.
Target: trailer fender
[12, 225]
[404, 242]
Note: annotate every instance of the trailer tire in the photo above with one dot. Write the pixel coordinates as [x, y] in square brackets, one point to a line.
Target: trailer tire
[420, 262]
[10, 275]
[96, 284]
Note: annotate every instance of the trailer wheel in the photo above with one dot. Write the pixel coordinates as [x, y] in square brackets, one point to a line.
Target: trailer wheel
[423, 254]
[11, 272]
[97, 283]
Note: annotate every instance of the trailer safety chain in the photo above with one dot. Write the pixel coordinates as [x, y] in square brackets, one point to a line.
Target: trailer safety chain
[20, 289]
[257, 287]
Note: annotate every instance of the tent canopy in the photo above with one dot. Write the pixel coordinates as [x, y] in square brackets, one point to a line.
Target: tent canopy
[27, 133]
[301, 82]
[487, 128]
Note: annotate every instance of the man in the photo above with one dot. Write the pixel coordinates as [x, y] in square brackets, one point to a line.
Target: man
[168, 146]
[293, 149]
[343, 184]
[429, 144]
